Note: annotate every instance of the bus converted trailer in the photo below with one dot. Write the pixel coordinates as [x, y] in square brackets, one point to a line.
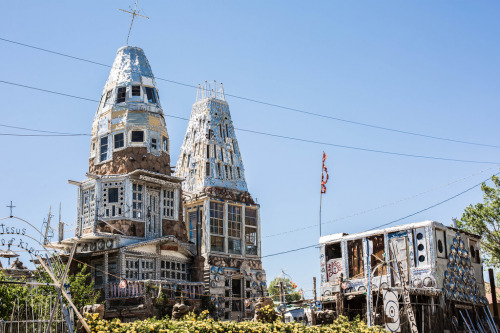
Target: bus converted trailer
[419, 277]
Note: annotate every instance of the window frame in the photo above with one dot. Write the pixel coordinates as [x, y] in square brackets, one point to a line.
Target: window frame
[103, 156]
[122, 141]
[136, 90]
[151, 95]
[132, 140]
[121, 95]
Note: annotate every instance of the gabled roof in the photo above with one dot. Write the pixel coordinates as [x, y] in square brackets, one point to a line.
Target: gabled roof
[184, 248]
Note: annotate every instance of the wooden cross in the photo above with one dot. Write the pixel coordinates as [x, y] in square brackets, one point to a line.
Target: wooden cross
[10, 206]
[134, 13]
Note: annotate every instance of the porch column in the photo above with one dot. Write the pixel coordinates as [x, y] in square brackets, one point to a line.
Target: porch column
[106, 287]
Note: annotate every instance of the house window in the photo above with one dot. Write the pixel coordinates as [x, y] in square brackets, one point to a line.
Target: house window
[221, 155]
[228, 175]
[216, 243]
[220, 130]
[232, 158]
[193, 224]
[216, 218]
[165, 143]
[136, 90]
[148, 269]
[108, 95]
[104, 148]
[168, 203]
[137, 136]
[132, 269]
[113, 271]
[234, 229]
[112, 195]
[251, 231]
[154, 143]
[88, 207]
[120, 96]
[219, 169]
[119, 141]
[239, 172]
[173, 270]
[98, 274]
[150, 92]
[137, 201]
[208, 151]
[227, 131]
[207, 169]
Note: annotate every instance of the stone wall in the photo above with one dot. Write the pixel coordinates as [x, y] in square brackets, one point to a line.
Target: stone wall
[129, 228]
[175, 228]
[130, 159]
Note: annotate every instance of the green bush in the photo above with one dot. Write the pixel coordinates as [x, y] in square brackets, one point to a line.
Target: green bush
[202, 324]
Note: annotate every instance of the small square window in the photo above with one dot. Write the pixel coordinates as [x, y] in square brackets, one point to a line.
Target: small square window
[119, 142]
[136, 90]
[137, 136]
[150, 92]
[120, 97]
[113, 195]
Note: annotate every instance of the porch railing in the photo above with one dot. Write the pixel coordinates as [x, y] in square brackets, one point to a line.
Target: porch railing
[172, 289]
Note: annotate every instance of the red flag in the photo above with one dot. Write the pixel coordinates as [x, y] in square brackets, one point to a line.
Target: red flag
[324, 174]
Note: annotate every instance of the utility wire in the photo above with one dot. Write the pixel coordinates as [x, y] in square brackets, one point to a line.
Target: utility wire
[42, 131]
[277, 135]
[309, 113]
[393, 221]
[379, 207]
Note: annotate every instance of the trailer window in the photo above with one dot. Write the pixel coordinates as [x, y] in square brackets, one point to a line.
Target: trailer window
[377, 257]
[333, 251]
[355, 258]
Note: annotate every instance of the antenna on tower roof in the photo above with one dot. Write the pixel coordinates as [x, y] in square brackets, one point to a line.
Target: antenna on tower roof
[134, 12]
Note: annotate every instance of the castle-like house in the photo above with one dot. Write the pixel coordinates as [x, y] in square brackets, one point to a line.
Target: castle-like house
[222, 218]
[130, 225]
[193, 233]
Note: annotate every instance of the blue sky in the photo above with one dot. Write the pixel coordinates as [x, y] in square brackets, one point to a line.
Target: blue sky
[430, 67]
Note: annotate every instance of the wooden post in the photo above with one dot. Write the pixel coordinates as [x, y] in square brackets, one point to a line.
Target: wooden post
[63, 292]
[314, 289]
[63, 280]
[493, 293]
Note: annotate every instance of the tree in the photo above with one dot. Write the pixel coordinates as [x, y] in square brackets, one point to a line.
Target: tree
[291, 293]
[484, 219]
[82, 292]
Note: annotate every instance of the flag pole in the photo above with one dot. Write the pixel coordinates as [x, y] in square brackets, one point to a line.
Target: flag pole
[321, 195]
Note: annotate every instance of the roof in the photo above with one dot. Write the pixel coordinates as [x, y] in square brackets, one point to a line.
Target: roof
[336, 237]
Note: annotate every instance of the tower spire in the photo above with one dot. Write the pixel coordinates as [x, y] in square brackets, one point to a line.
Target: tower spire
[134, 13]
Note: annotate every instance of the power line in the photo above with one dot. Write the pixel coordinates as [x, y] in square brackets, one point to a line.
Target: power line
[379, 207]
[439, 203]
[276, 135]
[309, 113]
[393, 221]
[42, 131]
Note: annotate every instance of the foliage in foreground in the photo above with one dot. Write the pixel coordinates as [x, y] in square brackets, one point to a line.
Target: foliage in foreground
[14, 295]
[202, 324]
[484, 219]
